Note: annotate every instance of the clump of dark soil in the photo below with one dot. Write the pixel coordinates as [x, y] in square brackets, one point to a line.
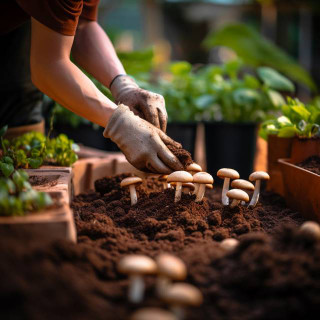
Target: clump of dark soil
[183, 155]
[43, 180]
[312, 164]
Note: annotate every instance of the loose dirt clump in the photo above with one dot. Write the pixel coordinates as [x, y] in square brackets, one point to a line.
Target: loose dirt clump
[183, 155]
[311, 164]
[49, 181]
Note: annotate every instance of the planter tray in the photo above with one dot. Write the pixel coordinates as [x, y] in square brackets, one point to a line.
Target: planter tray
[301, 189]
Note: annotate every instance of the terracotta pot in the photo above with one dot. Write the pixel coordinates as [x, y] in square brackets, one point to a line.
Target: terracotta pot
[301, 189]
[304, 148]
[277, 148]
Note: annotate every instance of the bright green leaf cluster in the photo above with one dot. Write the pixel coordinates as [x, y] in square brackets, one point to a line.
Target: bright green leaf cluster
[297, 119]
[17, 196]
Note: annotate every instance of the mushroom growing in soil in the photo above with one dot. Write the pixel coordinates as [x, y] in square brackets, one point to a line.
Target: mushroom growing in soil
[180, 295]
[226, 174]
[136, 266]
[188, 187]
[202, 178]
[237, 195]
[170, 268]
[163, 179]
[311, 228]
[243, 185]
[229, 244]
[153, 314]
[193, 168]
[257, 176]
[132, 182]
[179, 177]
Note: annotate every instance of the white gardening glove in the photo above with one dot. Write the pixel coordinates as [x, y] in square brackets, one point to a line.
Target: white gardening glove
[146, 104]
[143, 144]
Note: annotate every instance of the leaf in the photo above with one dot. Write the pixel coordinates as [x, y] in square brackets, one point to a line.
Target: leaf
[275, 80]
[35, 162]
[245, 96]
[301, 111]
[3, 130]
[180, 68]
[204, 101]
[284, 121]
[7, 160]
[6, 169]
[287, 132]
[255, 50]
[275, 98]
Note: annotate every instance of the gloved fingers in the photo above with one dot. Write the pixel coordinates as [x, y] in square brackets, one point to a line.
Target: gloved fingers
[150, 113]
[154, 164]
[169, 159]
[167, 140]
[163, 118]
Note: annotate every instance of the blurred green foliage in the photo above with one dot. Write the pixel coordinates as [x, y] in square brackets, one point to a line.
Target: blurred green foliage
[255, 50]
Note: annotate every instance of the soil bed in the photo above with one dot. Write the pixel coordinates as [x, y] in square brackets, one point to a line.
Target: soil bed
[311, 164]
[49, 181]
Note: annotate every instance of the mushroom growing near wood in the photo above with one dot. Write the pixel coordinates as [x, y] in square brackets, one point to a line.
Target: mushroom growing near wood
[243, 185]
[153, 314]
[136, 266]
[187, 187]
[193, 168]
[179, 177]
[237, 195]
[170, 268]
[180, 295]
[163, 179]
[202, 178]
[131, 182]
[257, 177]
[226, 174]
[311, 228]
[229, 244]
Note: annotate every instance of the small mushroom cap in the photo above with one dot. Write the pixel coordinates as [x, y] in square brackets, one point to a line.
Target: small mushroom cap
[180, 176]
[183, 294]
[229, 244]
[153, 314]
[242, 184]
[163, 177]
[228, 173]
[259, 175]
[209, 186]
[311, 228]
[137, 264]
[238, 194]
[130, 180]
[203, 178]
[194, 167]
[189, 185]
[171, 266]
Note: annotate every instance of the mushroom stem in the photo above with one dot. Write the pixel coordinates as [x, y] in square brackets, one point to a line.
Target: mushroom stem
[234, 203]
[165, 185]
[224, 198]
[133, 194]
[178, 311]
[201, 191]
[136, 289]
[177, 196]
[162, 284]
[256, 193]
[196, 188]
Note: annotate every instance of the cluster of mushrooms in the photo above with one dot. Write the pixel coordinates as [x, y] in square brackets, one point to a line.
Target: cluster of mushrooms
[195, 181]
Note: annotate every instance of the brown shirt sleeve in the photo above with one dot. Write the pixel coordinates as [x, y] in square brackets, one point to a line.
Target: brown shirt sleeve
[60, 15]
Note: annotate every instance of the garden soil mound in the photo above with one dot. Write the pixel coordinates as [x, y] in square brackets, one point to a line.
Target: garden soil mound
[268, 276]
[312, 164]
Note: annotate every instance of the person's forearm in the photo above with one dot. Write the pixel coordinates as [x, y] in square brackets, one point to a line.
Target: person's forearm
[94, 52]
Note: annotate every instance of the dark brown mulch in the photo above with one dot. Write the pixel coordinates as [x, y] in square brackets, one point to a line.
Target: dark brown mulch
[311, 164]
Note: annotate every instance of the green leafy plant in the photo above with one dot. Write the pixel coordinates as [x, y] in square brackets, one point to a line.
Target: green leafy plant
[17, 196]
[297, 119]
[255, 50]
[33, 149]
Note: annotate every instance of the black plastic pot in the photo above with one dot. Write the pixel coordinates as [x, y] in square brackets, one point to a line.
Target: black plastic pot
[86, 135]
[230, 145]
[185, 133]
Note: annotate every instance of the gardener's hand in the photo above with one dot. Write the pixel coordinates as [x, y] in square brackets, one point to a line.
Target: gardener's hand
[143, 144]
[148, 105]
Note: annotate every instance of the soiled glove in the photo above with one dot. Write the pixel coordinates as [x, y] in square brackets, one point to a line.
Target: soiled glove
[143, 144]
[146, 104]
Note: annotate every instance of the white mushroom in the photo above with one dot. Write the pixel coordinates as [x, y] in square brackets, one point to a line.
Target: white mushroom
[136, 266]
[311, 228]
[257, 177]
[237, 195]
[179, 177]
[243, 185]
[131, 182]
[229, 244]
[187, 187]
[170, 268]
[193, 168]
[202, 178]
[163, 179]
[152, 314]
[180, 295]
[226, 174]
